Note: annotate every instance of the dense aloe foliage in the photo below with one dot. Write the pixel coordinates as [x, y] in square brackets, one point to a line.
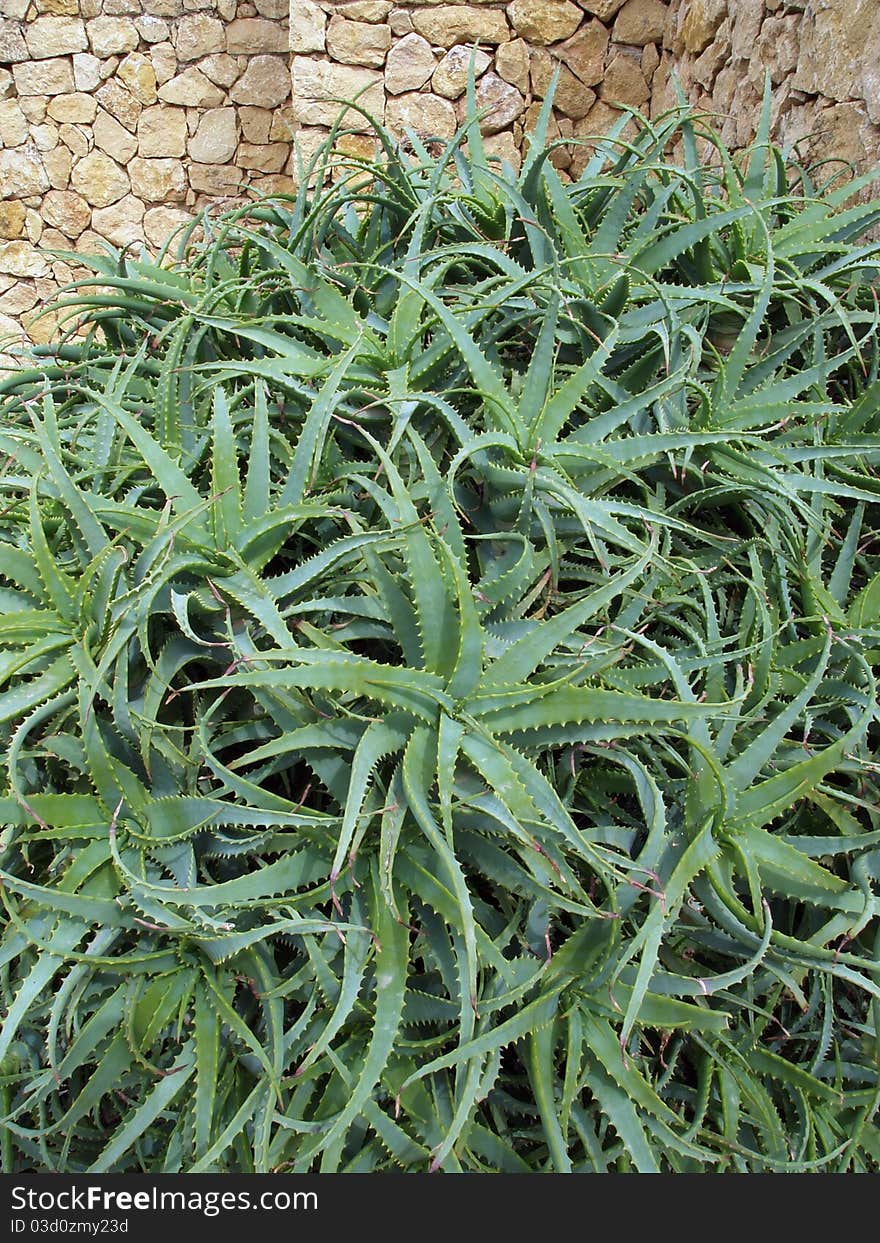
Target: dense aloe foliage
[439, 622]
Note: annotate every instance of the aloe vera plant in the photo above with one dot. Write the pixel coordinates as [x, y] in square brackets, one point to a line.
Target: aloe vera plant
[440, 616]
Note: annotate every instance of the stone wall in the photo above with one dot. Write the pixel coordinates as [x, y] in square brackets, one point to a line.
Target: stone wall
[120, 118]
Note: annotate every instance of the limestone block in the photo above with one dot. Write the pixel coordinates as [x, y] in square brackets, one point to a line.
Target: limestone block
[501, 102]
[273, 8]
[573, 98]
[283, 125]
[99, 179]
[451, 77]
[13, 48]
[429, 115]
[265, 83]
[217, 179]
[164, 61]
[111, 36]
[197, 36]
[503, 147]
[66, 211]
[248, 35]
[44, 77]
[161, 223]
[192, 90]
[152, 29]
[364, 10]
[603, 9]
[216, 137]
[11, 219]
[640, 22]
[20, 258]
[448, 24]
[624, 83]
[409, 65]
[263, 157]
[701, 22]
[544, 21]
[138, 74]
[75, 109]
[45, 136]
[120, 103]
[839, 53]
[13, 124]
[161, 132]
[512, 63]
[55, 36]
[307, 27]
[21, 297]
[121, 224]
[221, 69]
[58, 164]
[113, 139]
[158, 181]
[256, 123]
[358, 43]
[22, 173]
[86, 71]
[400, 21]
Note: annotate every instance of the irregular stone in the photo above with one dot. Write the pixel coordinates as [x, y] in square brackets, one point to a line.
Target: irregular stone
[75, 109]
[99, 179]
[429, 115]
[321, 88]
[20, 298]
[161, 132]
[451, 77]
[138, 74]
[746, 19]
[86, 71]
[34, 107]
[121, 223]
[13, 124]
[152, 29]
[624, 83]
[273, 8]
[62, 8]
[69, 212]
[110, 36]
[221, 69]
[512, 63]
[650, 61]
[20, 258]
[21, 173]
[255, 123]
[544, 21]
[541, 66]
[13, 48]
[265, 82]
[55, 36]
[113, 139]
[161, 223]
[191, 89]
[503, 101]
[603, 9]
[358, 43]
[216, 138]
[120, 103]
[400, 21]
[503, 147]
[58, 164]
[701, 22]
[249, 35]
[158, 181]
[199, 36]
[584, 53]
[448, 24]
[164, 62]
[163, 8]
[640, 22]
[75, 140]
[11, 219]
[409, 64]
[45, 136]
[839, 53]
[572, 98]
[222, 179]
[33, 226]
[44, 77]
[264, 157]
[7, 84]
[365, 10]
[307, 27]
[283, 125]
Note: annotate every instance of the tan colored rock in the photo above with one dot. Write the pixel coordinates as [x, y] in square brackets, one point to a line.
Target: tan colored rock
[221, 69]
[263, 157]
[86, 72]
[113, 139]
[75, 140]
[701, 22]
[572, 98]
[22, 173]
[99, 179]
[45, 136]
[409, 65]
[429, 115]
[512, 63]
[265, 83]
[249, 35]
[138, 74]
[62, 8]
[11, 219]
[7, 84]
[55, 36]
[164, 62]
[152, 29]
[501, 102]
[13, 124]
[640, 22]
[161, 132]
[120, 103]
[255, 123]
[584, 53]
[358, 43]
[192, 90]
[198, 35]
[112, 36]
[451, 77]
[448, 24]
[161, 223]
[163, 8]
[541, 66]
[58, 164]
[33, 226]
[158, 181]
[20, 258]
[544, 21]
[650, 61]
[20, 298]
[121, 224]
[624, 83]
[273, 8]
[75, 109]
[319, 87]
[706, 67]
[13, 48]
[503, 147]
[66, 211]
[44, 77]
[839, 54]
[307, 27]
[216, 138]
[603, 9]
[283, 125]
[400, 21]
[217, 179]
[365, 10]
[34, 107]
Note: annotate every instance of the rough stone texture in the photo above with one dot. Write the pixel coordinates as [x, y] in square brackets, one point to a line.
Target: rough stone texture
[308, 24]
[121, 223]
[215, 139]
[640, 22]
[44, 77]
[265, 83]
[584, 53]
[429, 115]
[191, 89]
[99, 179]
[158, 181]
[318, 86]
[544, 21]
[66, 211]
[358, 43]
[502, 103]
[449, 24]
[624, 83]
[451, 77]
[409, 65]
[161, 131]
[55, 36]
[112, 138]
